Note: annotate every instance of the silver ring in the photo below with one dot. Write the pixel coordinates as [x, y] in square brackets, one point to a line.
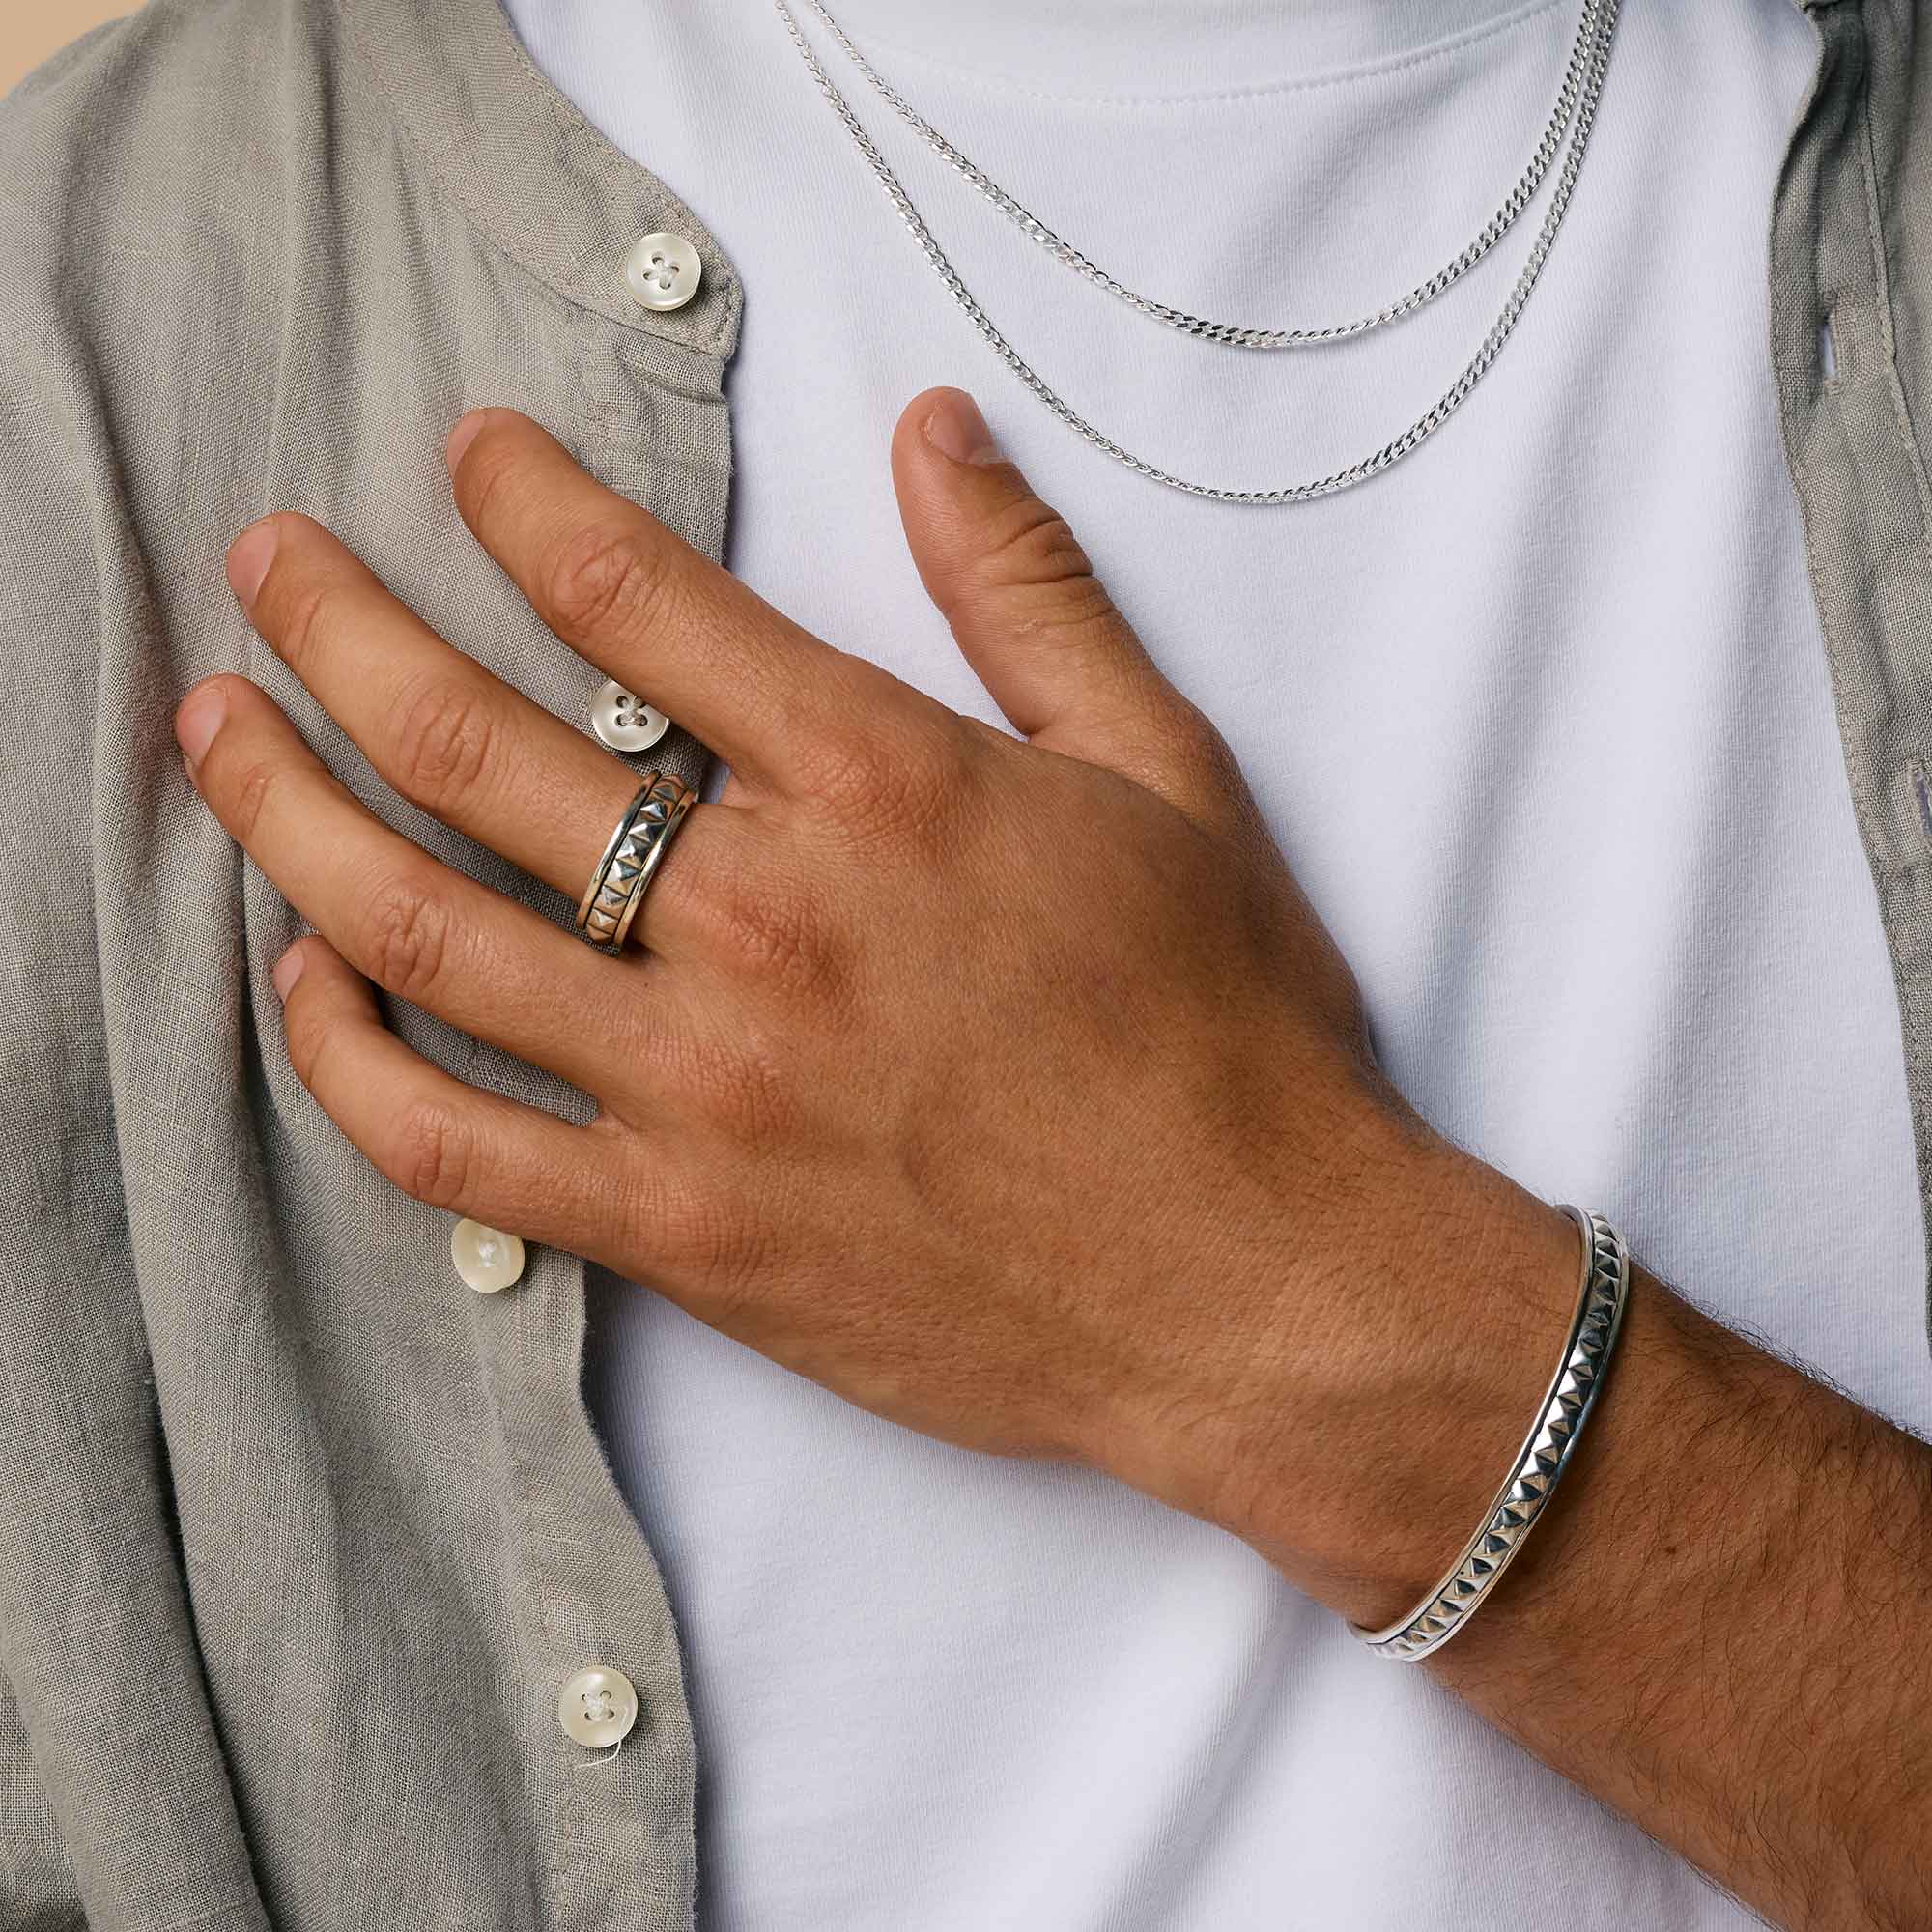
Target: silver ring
[634, 853]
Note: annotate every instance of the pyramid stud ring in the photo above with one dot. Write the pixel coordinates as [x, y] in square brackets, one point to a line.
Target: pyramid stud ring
[634, 853]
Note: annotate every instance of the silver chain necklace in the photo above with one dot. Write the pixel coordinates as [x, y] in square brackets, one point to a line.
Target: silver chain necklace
[1589, 30]
[1575, 109]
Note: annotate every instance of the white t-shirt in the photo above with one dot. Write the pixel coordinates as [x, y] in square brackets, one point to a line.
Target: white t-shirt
[1541, 718]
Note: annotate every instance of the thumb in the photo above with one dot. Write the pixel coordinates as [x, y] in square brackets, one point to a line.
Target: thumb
[1028, 613]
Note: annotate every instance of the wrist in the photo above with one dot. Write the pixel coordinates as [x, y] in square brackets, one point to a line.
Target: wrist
[1374, 1446]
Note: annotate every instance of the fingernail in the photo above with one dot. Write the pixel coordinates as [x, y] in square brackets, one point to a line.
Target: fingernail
[198, 717]
[289, 969]
[955, 428]
[461, 438]
[248, 559]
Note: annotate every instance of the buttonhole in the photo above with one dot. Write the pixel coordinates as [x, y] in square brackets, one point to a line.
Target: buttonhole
[1922, 792]
[1827, 349]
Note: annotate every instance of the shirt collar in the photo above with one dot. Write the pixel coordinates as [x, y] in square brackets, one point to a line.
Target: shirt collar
[506, 145]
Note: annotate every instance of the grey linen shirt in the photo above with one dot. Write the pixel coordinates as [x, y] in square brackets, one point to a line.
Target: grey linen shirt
[295, 1552]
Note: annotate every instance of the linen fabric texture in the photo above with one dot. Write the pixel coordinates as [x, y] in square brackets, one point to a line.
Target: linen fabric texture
[296, 1557]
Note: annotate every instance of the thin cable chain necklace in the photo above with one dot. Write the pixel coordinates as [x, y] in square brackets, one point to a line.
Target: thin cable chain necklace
[1589, 30]
[1603, 12]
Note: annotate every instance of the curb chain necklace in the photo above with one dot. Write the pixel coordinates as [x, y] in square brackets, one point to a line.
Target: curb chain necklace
[1241, 337]
[1573, 114]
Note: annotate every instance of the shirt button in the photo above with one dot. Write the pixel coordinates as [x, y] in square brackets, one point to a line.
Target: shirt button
[623, 719]
[486, 1258]
[663, 270]
[598, 1707]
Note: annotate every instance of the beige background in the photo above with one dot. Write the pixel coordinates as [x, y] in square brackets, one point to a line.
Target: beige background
[30, 30]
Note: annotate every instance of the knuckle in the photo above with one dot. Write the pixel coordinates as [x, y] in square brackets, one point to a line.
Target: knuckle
[745, 1090]
[896, 788]
[429, 1154]
[309, 1039]
[491, 468]
[1212, 768]
[1200, 740]
[1033, 559]
[306, 615]
[845, 773]
[738, 1079]
[715, 1239]
[405, 939]
[247, 789]
[777, 930]
[601, 579]
[443, 743]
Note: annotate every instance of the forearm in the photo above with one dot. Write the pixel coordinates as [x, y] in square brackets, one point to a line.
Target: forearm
[1720, 1629]
[1719, 1624]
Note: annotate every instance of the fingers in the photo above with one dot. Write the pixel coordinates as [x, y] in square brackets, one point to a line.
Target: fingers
[417, 927]
[442, 1141]
[1032, 619]
[772, 700]
[445, 732]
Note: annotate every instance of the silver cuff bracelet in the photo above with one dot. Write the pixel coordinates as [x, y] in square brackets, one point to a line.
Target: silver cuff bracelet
[1545, 1454]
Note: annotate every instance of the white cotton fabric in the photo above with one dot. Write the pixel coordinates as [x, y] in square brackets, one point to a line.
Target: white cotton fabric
[1541, 720]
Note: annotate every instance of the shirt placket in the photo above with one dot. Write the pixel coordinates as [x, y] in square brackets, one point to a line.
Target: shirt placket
[1837, 254]
[615, 1773]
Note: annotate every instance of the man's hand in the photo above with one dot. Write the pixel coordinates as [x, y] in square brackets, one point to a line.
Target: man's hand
[1006, 1086]
[1010, 1087]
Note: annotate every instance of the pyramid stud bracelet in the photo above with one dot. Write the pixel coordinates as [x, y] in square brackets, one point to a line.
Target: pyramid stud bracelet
[1544, 1457]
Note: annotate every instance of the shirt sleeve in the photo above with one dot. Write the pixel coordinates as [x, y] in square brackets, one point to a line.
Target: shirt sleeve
[114, 1802]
